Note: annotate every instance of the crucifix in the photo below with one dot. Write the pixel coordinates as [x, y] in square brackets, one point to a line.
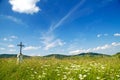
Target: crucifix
[20, 56]
[21, 45]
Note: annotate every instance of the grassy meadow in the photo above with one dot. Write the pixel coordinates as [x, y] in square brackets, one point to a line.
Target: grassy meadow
[76, 68]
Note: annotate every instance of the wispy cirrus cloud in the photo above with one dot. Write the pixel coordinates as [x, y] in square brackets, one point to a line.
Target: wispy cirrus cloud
[84, 11]
[62, 20]
[48, 38]
[49, 41]
[53, 44]
[13, 19]
[25, 6]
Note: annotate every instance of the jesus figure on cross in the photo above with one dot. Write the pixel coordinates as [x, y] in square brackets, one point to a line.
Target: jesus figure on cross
[20, 55]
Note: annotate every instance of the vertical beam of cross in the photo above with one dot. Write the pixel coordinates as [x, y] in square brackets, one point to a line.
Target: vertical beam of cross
[21, 45]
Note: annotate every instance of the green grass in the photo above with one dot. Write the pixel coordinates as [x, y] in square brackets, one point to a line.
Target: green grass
[76, 68]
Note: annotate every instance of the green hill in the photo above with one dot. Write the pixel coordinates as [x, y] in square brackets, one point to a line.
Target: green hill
[59, 56]
[10, 55]
[91, 54]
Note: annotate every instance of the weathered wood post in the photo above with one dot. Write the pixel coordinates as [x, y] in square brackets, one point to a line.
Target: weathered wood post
[20, 55]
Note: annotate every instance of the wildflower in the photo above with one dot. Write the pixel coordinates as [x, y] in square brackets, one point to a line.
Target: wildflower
[35, 72]
[46, 69]
[64, 77]
[56, 70]
[86, 70]
[112, 69]
[69, 72]
[66, 68]
[44, 73]
[58, 67]
[102, 67]
[39, 76]
[84, 76]
[70, 79]
[97, 78]
[118, 76]
[58, 74]
[31, 69]
[32, 76]
[81, 77]
[41, 66]
[64, 72]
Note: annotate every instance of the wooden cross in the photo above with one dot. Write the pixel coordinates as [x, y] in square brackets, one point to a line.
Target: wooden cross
[21, 45]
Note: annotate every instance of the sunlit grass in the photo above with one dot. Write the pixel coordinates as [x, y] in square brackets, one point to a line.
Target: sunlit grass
[79, 68]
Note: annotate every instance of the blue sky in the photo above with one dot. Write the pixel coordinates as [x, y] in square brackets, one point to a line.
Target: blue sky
[60, 26]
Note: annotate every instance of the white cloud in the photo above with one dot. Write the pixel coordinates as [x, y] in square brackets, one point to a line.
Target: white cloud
[11, 46]
[12, 50]
[34, 54]
[25, 6]
[13, 37]
[2, 48]
[105, 34]
[117, 34]
[5, 39]
[10, 38]
[115, 44]
[104, 47]
[99, 35]
[79, 51]
[31, 48]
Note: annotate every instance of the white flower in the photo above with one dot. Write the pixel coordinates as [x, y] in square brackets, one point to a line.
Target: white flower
[66, 68]
[118, 76]
[32, 69]
[98, 78]
[84, 76]
[86, 70]
[64, 77]
[58, 74]
[102, 67]
[35, 72]
[39, 76]
[81, 77]
[70, 79]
